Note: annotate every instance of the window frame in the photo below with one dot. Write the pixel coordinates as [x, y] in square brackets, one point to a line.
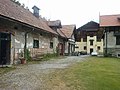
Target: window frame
[98, 47]
[51, 45]
[85, 47]
[91, 42]
[117, 40]
[35, 43]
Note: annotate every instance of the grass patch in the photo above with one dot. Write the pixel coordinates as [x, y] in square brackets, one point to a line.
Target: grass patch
[45, 57]
[49, 56]
[4, 70]
[33, 62]
[95, 73]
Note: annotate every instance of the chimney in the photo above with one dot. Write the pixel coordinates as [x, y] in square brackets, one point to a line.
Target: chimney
[36, 11]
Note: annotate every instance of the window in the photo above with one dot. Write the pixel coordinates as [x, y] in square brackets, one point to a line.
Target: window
[51, 45]
[117, 40]
[35, 43]
[85, 48]
[98, 47]
[91, 42]
[76, 47]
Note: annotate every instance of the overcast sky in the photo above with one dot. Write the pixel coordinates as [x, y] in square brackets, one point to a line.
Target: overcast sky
[77, 12]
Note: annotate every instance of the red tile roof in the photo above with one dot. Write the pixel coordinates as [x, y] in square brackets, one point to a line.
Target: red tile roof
[61, 33]
[68, 30]
[109, 20]
[16, 12]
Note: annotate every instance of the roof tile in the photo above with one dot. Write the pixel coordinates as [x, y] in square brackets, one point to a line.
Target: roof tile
[109, 20]
[16, 12]
[68, 30]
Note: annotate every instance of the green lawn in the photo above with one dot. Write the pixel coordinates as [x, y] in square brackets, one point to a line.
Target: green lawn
[95, 73]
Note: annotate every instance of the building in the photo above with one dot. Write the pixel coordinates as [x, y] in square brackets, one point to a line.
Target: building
[68, 32]
[22, 31]
[65, 36]
[89, 38]
[111, 26]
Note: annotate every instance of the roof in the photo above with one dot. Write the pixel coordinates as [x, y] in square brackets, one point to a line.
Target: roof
[13, 11]
[109, 20]
[61, 33]
[90, 26]
[56, 23]
[67, 30]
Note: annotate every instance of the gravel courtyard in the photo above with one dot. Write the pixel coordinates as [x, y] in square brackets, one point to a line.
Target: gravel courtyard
[30, 77]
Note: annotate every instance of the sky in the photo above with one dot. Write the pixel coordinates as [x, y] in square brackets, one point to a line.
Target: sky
[77, 12]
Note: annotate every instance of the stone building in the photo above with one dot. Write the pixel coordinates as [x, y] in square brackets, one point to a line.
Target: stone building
[111, 26]
[65, 36]
[89, 38]
[68, 32]
[21, 30]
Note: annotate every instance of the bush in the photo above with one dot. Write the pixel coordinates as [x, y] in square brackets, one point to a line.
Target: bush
[27, 54]
[49, 55]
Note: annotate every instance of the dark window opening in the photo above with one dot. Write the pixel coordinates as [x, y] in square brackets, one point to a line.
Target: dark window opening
[91, 42]
[76, 47]
[51, 45]
[98, 47]
[85, 48]
[117, 40]
[36, 44]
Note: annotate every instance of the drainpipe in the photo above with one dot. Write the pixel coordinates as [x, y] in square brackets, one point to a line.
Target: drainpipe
[25, 46]
[106, 43]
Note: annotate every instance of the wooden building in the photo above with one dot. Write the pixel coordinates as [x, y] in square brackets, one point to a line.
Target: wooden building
[89, 38]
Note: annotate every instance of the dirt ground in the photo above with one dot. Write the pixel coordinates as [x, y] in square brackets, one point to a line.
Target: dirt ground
[32, 77]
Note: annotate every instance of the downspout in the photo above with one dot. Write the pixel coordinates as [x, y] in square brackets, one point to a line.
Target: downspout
[106, 43]
[25, 46]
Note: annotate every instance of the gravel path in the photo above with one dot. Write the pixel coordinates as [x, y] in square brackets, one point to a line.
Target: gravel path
[29, 77]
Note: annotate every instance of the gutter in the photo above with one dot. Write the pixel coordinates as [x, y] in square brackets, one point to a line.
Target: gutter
[25, 46]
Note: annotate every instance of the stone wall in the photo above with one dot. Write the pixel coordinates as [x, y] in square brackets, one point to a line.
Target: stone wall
[18, 31]
[112, 48]
[113, 51]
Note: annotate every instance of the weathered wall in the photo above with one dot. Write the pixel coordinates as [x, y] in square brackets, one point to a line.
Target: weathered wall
[111, 40]
[66, 47]
[44, 42]
[18, 40]
[112, 48]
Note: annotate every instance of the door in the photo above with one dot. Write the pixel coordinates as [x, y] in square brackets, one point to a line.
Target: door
[4, 48]
[91, 50]
[61, 48]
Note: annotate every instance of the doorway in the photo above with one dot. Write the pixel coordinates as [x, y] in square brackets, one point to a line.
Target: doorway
[91, 50]
[5, 40]
[61, 48]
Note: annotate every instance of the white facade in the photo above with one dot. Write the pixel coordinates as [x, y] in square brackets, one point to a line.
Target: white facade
[86, 47]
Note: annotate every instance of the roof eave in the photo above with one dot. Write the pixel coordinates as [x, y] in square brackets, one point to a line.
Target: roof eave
[26, 24]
